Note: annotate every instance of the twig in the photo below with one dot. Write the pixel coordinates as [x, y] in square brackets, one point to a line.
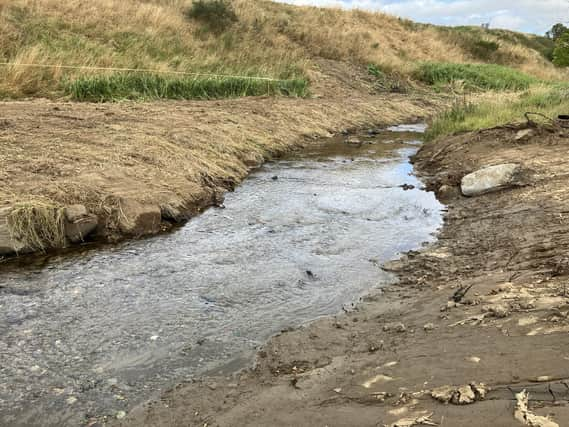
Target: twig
[532, 123]
[460, 293]
[476, 319]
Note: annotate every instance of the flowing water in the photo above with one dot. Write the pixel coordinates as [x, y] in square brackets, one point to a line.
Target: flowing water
[96, 332]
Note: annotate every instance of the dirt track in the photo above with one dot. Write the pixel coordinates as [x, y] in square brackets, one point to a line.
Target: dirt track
[379, 364]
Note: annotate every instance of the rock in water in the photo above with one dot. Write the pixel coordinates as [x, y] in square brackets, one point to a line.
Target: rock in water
[491, 178]
[79, 223]
[138, 219]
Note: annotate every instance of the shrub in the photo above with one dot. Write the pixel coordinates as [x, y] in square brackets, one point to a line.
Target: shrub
[217, 15]
[483, 49]
[561, 52]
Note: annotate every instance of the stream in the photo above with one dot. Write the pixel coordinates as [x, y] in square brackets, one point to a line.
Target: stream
[97, 331]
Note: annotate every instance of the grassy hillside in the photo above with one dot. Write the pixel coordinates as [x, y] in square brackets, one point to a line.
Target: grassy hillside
[265, 39]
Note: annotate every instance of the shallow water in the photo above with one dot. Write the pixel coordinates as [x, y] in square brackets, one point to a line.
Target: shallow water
[94, 333]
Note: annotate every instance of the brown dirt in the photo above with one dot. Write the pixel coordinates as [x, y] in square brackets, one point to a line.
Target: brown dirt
[364, 369]
[178, 156]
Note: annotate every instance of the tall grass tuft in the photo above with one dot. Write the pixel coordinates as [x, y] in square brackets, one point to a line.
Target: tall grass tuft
[142, 86]
[37, 224]
[473, 76]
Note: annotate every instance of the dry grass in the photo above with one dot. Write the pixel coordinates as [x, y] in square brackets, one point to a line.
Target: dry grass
[269, 39]
[38, 224]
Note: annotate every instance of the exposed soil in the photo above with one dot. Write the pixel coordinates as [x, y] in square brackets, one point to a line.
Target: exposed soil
[379, 364]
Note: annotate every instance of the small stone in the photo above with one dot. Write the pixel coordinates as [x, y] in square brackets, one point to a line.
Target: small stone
[527, 304]
[524, 134]
[395, 327]
[446, 192]
[120, 415]
[71, 400]
[338, 390]
[498, 310]
[138, 219]
[429, 327]
[153, 337]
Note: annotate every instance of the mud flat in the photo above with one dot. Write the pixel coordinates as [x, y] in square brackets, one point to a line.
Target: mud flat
[410, 354]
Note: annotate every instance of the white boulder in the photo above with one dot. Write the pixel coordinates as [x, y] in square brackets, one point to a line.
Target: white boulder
[491, 178]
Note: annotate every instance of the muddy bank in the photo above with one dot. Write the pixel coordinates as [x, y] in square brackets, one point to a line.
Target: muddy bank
[412, 355]
[135, 169]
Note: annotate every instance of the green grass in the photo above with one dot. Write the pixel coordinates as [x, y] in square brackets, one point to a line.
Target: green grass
[473, 76]
[142, 86]
[466, 116]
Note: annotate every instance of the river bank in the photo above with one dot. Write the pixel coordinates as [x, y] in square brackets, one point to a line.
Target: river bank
[73, 172]
[410, 354]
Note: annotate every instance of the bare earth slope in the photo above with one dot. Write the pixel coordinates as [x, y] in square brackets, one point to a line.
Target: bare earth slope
[380, 364]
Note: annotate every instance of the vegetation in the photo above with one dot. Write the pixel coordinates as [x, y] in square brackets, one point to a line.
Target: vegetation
[496, 45]
[561, 52]
[473, 76]
[258, 38]
[556, 31]
[38, 224]
[216, 14]
[143, 86]
[467, 116]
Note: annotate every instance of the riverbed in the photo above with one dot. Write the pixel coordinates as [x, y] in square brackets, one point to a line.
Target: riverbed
[93, 333]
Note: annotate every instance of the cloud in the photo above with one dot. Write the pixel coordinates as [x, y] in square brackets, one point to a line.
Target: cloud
[526, 15]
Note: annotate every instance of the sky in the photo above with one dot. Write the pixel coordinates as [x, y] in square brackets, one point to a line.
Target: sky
[531, 16]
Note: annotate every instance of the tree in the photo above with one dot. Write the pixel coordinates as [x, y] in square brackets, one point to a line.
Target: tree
[556, 31]
[561, 52]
